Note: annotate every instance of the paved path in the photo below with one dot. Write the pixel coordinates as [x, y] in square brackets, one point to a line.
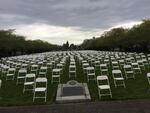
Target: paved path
[128, 106]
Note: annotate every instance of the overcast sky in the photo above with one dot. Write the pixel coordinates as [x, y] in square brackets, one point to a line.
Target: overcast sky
[57, 21]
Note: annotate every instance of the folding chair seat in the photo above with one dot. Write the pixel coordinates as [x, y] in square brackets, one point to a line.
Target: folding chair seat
[118, 78]
[84, 61]
[103, 86]
[40, 89]
[113, 59]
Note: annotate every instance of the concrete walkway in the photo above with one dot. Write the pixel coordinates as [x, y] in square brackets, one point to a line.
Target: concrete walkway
[127, 106]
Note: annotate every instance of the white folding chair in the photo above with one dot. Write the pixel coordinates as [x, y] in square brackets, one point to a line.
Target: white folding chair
[121, 63]
[136, 68]
[0, 83]
[103, 86]
[129, 73]
[97, 64]
[40, 89]
[34, 69]
[21, 76]
[10, 74]
[4, 70]
[49, 65]
[55, 75]
[115, 65]
[60, 66]
[148, 77]
[42, 72]
[85, 65]
[104, 69]
[72, 71]
[90, 73]
[29, 82]
[118, 78]
[18, 66]
[24, 66]
[141, 64]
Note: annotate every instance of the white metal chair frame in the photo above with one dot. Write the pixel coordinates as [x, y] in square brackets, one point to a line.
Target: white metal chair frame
[29, 81]
[117, 76]
[10, 74]
[105, 86]
[90, 73]
[55, 74]
[129, 73]
[21, 75]
[40, 89]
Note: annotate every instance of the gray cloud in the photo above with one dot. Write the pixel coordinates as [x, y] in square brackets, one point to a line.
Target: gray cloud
[84, 14]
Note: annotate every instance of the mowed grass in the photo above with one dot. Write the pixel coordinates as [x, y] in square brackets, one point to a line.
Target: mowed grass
[138, 88]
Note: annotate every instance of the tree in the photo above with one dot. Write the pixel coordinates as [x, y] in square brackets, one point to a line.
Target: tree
[65, 46]
[11, 44]
[134, 39]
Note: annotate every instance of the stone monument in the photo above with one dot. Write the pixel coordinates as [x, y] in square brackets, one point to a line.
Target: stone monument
[72, 91]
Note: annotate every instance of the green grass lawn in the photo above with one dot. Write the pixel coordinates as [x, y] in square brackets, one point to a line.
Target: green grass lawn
[138, 88]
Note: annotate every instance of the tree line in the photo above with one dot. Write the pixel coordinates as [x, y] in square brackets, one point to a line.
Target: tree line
[136, 38]
[12, 44]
